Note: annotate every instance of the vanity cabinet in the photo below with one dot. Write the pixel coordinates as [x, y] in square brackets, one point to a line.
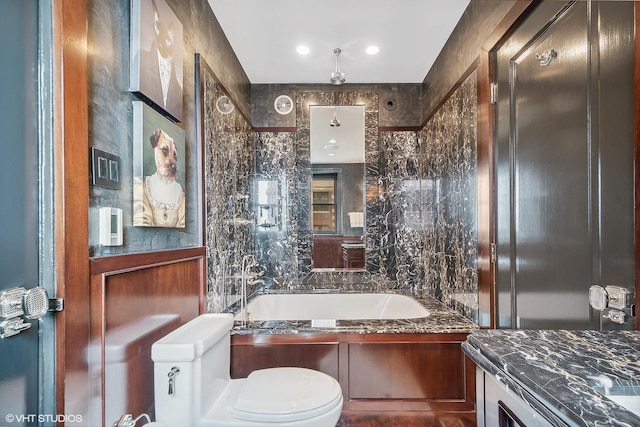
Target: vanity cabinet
[499, 407]
[353, 255]
[546, 378]
[328, 252]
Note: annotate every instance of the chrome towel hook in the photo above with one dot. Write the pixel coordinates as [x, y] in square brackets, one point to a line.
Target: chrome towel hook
[547, 57]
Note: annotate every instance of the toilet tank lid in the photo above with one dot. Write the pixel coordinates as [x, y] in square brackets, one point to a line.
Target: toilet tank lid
[193, 338]
[124, 341]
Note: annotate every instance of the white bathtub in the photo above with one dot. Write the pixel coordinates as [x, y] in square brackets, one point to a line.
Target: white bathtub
[325, 309]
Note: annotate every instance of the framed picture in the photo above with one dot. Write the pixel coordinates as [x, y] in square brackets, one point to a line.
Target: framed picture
[158, 170]
[156, 55]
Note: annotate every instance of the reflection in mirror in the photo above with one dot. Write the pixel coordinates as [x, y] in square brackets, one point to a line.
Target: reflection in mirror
[337, 186]
[269, 204]
[324, 210]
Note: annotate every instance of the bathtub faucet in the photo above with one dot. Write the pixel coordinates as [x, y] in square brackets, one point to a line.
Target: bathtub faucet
[255, 282]
[248, 277]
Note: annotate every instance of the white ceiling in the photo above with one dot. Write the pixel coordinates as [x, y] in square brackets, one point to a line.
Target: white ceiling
[264, 35]
[342, 144]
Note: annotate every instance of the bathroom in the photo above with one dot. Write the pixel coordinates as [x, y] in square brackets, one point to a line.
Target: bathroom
[238, 153]
[427, 228]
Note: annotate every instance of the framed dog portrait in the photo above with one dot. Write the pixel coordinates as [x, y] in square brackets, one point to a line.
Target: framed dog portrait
[156, 55]
[158, 170]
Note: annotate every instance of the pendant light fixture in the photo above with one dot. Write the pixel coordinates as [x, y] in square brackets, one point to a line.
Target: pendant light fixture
[337, 77]
[335, 123]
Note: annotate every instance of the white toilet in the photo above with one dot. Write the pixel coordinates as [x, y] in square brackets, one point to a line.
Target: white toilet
[193, 386]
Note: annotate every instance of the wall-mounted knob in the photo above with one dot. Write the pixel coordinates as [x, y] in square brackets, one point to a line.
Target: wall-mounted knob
[547, 57]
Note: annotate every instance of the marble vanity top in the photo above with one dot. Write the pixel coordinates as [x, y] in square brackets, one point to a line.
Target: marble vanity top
[441, 319]
[558, 372]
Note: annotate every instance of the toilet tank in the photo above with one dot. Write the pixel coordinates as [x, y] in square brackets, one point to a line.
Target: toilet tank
[200, 349]
[127, 370]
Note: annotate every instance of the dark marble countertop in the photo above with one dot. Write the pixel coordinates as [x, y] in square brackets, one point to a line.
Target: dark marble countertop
[558, 372]
[441, 319]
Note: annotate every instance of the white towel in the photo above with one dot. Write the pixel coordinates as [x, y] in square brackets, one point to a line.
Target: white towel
[356, 219]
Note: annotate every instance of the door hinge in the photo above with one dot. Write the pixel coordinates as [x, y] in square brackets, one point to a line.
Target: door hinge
[494, 255]
[494, 93]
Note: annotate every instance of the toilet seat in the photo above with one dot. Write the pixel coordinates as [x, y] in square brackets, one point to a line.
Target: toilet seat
[286, 395]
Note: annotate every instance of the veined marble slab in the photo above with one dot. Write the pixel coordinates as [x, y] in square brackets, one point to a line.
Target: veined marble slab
[558, 372]
[441, 319]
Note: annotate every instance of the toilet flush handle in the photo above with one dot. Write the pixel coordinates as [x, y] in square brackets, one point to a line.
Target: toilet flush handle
[172, 379]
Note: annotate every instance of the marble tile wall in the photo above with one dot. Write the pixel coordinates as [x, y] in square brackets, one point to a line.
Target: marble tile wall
[277, 246]
[303, 171]
[420, 203]
[287, 253]
[399, 219]
[449, 201]
[229, 149]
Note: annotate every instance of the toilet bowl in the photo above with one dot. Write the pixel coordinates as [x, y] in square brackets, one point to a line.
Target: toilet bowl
[193, 387]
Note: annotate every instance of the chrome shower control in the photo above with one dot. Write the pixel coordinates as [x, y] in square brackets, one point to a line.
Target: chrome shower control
[172, 379]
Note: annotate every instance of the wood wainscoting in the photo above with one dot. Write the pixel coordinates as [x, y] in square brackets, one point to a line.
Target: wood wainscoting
[135, 300]
[411, 376]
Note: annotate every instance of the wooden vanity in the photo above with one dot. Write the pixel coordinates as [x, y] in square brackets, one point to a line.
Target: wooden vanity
[353, 255]
[328, 252]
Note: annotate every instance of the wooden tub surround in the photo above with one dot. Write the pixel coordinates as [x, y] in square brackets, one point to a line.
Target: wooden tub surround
[412, 376]
[410, 369]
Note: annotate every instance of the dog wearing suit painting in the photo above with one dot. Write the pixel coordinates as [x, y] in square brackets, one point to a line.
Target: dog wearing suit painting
[159, 200]
[159, 65]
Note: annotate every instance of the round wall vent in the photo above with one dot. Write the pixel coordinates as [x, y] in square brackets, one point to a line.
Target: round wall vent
[390, 104]
[283, 104]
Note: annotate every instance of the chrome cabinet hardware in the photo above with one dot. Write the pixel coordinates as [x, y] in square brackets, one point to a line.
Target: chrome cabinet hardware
[494, 93]
[619, 298]
[611, 296]
[616, 316]
[11, 327]
[616, 299]
[18, 304]
[598, 297]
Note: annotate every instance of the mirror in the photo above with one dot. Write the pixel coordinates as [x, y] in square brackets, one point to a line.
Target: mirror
[337, 154]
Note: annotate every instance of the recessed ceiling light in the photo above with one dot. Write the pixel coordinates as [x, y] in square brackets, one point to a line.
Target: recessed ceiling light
[332, 141]
[302, 50]
[372, 50]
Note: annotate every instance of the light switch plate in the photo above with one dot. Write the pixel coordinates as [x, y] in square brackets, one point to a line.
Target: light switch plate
[105, 169]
